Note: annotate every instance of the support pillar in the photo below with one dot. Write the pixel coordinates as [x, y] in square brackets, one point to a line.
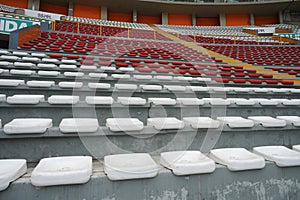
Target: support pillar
[164, 18]
[252, 21]
[103, 13]
[71, 8]
[222, 18]
[194, 20]
[134, 16]
[280, 17]
[34, 4]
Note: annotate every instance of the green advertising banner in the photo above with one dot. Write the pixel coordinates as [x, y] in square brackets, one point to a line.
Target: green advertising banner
[8, 25]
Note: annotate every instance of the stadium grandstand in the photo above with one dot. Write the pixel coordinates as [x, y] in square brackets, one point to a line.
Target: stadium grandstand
[150, 100]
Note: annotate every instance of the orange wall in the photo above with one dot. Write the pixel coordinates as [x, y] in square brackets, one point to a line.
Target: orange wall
[261, 20]
[237, 20]
[122, 17]
[86, 11]
[46, 7]
[28, 35]
[179, 19]
[15, 3]
[207, 21]
[149, 19]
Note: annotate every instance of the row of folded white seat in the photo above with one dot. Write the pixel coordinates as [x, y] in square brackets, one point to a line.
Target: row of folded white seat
[91, 125]
[138, 101]
[79, 169]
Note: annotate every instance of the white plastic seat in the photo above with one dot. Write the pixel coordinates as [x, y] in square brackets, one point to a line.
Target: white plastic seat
[45, 84]
[296, 147]
[2, 97]
[296, 91]
[48, 73]
[267, 121]
[4, 52]
[65, 66]
[88, 67]
[216, 101]
[175, 88]
[23, 64]
[70, 84]
[39, 55]
[99, 85]
[162, 101]
[260, 90]
[126, 69]
[74, 74]
[151, 87]
[190, 101]
[11, 82]
[8, 57]
[294, 120]
[198, 88]
[27, 125]
[105, 68]
[240, 89]
[161, 123]
[25, 99]
[126, 86]
[78, 125]
[47, 65]
[32, 59]
[22, 72]
[5, 63]
[200, 79]
[19, 53]
[280, 90]
[10, 170]
[131, 101]
[65, 61]
[142, 77]
[201, 122]
[288, 102]
[130, 166]
[124, 124]
[98, 75]
[265, 102]
[187, 162]
[120, 76]
[183, 78]
[236, 122]
[163, 78]
[281, 155]
[237, 159]
[241, 101]
[50, 60]
[219, 89]
[104, 100]
[62, 171]
[63, 99]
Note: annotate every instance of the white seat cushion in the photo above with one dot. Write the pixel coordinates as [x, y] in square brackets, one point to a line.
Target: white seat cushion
[183, 78]
[216, 101]
[126, 69]
[164, 78]
[10, 170]
[40, 55]
[78, 125]
[219, 89]
[142, 77]
[74, 74]
[200, 79]
[63, 99]
[198, 88]
[126, 86]
[99, 85]
[62, 171]
[65, 66]
[65, 61]
[105, 68]
[260, 90]
[280, 90]
[239, 89]
[295, 91]
[130, 166]
[11, 82]
[201, 122]
[151, 87]
[2, 97]
[294, 120]
[165, 123]
[5, 63]
[124, 124]
[22, 72]
[175, 88]
[190, 101]
[88, 67]
[265, 102]
[236, 122]
[162, 101]
[120, 76]
[237, 159]
[288, 102]
[25, 99]
[187, 162]
[70, 84]
[132, 101]
[267, 121]
[50, 60]
[19, 53]
[23, 64]
[98, 75]
[241, 101]
[7, 57]
[27, 125]
[4, 52]
[296, 147]
[48, 73]
[282, 156]
[47, 65]
[46, 84]
[104, 100]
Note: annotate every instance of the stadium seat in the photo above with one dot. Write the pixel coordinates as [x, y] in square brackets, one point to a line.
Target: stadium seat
[162, 101]
[267, 121]
[124, 124]
[165, 123]
[102, 100]
[137, 101]
[236, 122]
[63, 99]
[27, 126]
[25, 99]
[201, 122]
[78, 125]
